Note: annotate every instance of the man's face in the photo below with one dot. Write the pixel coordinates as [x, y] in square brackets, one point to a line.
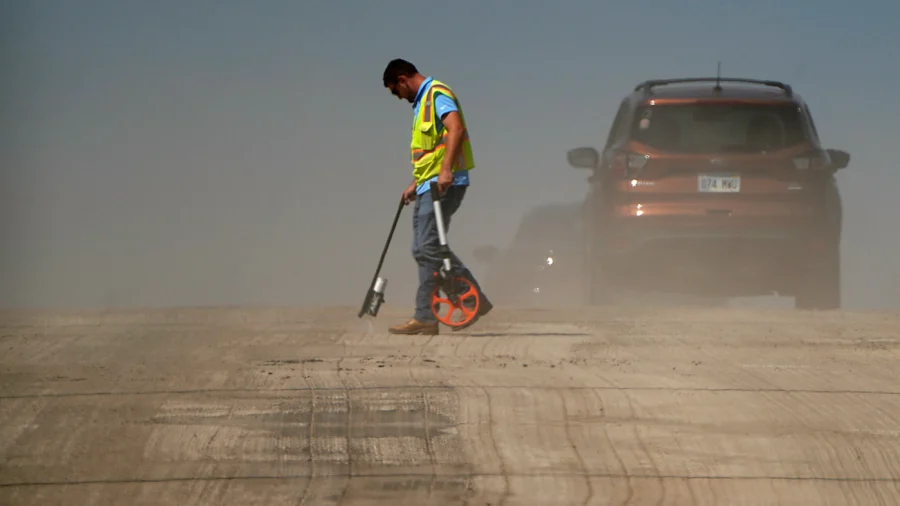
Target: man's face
[402, 90]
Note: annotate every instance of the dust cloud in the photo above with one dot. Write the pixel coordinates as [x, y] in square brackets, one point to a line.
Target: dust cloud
[165, 174]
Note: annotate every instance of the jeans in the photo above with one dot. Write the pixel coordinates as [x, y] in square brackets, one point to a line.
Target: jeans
[426, 247]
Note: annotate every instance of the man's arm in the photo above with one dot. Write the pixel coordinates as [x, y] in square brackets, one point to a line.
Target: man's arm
[449, 114]
[454, 126]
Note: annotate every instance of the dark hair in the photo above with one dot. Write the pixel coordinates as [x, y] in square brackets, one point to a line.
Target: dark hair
[396, 68]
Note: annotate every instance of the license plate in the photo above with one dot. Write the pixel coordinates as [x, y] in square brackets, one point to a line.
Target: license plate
[719, 183]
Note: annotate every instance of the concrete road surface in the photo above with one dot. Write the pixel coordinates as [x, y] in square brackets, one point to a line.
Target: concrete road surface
[671, 406]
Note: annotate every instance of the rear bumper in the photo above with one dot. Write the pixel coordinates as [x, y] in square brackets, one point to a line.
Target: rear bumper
[719, 263]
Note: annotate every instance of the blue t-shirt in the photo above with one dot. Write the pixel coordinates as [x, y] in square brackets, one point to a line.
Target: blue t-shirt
[443, 105]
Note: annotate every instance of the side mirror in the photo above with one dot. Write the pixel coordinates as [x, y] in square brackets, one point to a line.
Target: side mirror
[486, 254]
[583, 158]
[839, 159]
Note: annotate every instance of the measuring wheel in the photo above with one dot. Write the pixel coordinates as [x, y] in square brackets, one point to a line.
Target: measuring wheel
[454, 301]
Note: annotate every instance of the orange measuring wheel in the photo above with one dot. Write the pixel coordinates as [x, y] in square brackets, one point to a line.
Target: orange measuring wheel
[455, 304]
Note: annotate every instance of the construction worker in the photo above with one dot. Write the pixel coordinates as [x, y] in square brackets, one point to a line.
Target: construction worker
[440, 151]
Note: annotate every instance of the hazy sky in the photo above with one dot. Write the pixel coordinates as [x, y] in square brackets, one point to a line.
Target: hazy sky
[236, 152]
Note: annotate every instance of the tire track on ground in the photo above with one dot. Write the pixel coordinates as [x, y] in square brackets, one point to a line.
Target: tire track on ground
[312, 437]
[503, 474]
[890, 459]
[584, 468]
[824, 410]
[643, 445]
[205, 391]
[429, 450]
[349, 427]
[492, 435]
[615, 452]
[428, 445]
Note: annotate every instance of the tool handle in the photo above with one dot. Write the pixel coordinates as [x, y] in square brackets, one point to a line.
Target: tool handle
[439, 219]
[371, 293]
[438, 213]
[387, 243]
[435, 192]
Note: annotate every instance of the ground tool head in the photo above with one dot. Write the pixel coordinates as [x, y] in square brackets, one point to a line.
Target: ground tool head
[451, 289]
[375, 296]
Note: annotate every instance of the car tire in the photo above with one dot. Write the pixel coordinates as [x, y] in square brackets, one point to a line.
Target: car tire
[821, 290]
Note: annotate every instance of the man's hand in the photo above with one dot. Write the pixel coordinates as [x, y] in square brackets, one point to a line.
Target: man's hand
[445, 178]
[409, 193]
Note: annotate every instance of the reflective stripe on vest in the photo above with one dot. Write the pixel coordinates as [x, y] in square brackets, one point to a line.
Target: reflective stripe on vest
[417, 154]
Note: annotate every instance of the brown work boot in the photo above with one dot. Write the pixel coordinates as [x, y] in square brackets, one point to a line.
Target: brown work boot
[414, 326]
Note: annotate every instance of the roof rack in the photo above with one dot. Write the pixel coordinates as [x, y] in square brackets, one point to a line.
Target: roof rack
[648, 85]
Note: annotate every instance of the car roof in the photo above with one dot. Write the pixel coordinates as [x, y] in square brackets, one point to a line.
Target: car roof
[705, 88]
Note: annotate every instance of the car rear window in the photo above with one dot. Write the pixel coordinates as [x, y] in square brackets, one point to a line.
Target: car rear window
[719, 127]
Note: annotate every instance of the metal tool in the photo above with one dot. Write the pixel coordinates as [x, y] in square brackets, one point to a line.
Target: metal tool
[459, 293]
[375, 296]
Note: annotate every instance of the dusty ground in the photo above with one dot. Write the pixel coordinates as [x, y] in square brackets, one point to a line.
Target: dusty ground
[287, 407]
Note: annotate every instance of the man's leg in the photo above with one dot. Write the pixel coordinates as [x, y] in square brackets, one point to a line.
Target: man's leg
[421, 323]
[426, 254]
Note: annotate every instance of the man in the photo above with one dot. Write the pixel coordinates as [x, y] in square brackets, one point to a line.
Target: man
[440, 151]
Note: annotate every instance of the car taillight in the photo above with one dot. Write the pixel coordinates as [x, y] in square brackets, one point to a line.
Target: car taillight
[815, 160]
[626, 164]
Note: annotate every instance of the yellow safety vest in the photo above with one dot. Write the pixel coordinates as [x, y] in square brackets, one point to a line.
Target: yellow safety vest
[427, 147]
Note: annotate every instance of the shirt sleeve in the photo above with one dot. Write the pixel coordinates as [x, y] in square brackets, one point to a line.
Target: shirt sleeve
[444, 105]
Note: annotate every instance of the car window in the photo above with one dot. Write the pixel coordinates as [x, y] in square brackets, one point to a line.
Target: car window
[617, 130]
[719, 127]
[812, 124]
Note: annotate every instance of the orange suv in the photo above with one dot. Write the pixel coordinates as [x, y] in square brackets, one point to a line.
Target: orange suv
[713, 187]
